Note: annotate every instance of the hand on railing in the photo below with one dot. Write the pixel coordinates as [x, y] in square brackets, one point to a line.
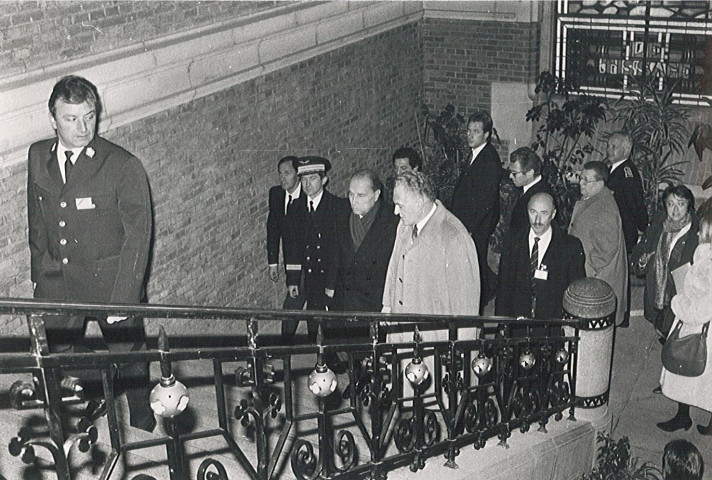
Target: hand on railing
[115, 319]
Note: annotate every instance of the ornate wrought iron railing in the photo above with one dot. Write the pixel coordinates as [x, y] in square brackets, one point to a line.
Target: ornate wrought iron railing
[480, 388]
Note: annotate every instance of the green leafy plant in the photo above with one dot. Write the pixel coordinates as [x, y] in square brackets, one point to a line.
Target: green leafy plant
[613, 462]
[659, 129]
[566, 121]
[443, 147]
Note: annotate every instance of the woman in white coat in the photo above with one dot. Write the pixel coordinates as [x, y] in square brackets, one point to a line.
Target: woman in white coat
[693, 307]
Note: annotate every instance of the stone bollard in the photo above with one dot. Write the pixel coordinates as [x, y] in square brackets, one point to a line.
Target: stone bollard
[592, 300]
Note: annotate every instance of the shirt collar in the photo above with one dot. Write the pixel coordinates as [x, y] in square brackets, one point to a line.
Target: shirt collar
[617, 164]
[536, 180]
[295, 194]
[316, 200]
[61, 157]
[422, 223]
[476, 151]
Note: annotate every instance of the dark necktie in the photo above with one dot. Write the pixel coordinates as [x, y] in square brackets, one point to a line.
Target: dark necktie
[289, 203]
[414, 235]
[533, 264]
[311, 206]
[68, 165]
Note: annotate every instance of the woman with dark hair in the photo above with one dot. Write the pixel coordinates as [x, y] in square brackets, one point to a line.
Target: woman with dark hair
[682, 461]
[667, 244]
[692, 307]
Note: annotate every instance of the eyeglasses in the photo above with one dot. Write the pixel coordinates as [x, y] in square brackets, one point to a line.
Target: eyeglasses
[515, 172]
[584, 180]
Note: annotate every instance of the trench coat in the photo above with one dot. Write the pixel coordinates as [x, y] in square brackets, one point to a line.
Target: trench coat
[437, 273]
[597, 223]
[693, 306]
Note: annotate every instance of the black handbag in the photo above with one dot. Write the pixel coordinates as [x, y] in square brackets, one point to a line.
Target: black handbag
[685, 356]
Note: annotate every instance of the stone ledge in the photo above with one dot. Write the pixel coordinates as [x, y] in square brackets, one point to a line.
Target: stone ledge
[141, 80]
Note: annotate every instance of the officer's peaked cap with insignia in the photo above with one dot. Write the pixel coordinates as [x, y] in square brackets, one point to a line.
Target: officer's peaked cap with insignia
[307, 165]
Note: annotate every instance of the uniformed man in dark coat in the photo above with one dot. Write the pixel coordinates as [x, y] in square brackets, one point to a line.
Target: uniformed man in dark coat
[316, 219]
[90, 225]
[624, 180]
[625, 183]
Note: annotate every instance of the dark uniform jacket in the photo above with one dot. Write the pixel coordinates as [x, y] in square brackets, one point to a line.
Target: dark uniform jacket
[627, 189]
[362, 272]
[520, 214]
[89, 239]
[564, 260]
[320, 254]
[475, 201]
[278, 228]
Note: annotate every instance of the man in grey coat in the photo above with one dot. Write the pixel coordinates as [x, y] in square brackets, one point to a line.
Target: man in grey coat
[596, 222]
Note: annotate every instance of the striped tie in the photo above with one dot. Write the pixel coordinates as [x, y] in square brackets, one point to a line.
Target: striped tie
[533, 264]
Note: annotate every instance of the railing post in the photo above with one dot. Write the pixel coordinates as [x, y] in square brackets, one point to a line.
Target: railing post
[49, 384]
[593, 302]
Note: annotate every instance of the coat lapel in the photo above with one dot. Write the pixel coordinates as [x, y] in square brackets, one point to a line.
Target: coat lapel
[53, 167]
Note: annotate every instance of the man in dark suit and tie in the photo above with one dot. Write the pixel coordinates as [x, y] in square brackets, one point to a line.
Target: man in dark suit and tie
[475, 201]
[90, 225]
[525, 172]
[537, 265]
[283, 200]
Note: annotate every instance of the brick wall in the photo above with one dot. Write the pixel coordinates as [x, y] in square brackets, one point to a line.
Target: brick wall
[211, 162]
[37, 34]
[463, 57]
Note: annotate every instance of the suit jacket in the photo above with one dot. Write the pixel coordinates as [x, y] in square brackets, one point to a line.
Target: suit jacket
[279, 228]
[362, 271]
[436, 274]
[564, 260]
[475, 201]
[520, 214]
[90, 238]
[649, 244]
[627, 189]
[597, 223]
[320, 254]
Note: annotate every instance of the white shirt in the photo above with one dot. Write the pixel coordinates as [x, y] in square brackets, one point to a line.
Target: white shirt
[544, 241]
[295, 195]
[527, 187]
[315, 201]
[476, 151]
[422, 223]
[62, 158]
[617, 164]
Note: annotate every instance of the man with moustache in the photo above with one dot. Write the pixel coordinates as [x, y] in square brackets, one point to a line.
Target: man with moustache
[284, 198]
[596, 222]
[537, 266]
[475, 201]
[90, 225]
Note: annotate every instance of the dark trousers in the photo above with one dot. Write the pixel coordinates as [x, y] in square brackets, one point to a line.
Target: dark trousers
[481, 245]
[67, 334]
[289, 327]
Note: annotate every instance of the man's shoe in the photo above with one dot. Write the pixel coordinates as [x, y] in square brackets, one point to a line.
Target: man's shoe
[95, 409]
[705, 429]
[658, 389]
[625, 323]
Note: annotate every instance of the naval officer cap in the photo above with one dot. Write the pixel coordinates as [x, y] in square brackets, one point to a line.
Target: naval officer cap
[307, 165]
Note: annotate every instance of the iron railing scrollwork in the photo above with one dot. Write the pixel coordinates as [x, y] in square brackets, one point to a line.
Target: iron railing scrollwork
[464, 392]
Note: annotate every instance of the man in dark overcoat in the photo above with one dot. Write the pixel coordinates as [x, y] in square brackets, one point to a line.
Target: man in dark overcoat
[90, 225]
[475, 201]
[525, 172]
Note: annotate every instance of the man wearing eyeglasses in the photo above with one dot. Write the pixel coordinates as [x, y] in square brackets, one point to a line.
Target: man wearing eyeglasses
[596, 222]
[525, 172]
